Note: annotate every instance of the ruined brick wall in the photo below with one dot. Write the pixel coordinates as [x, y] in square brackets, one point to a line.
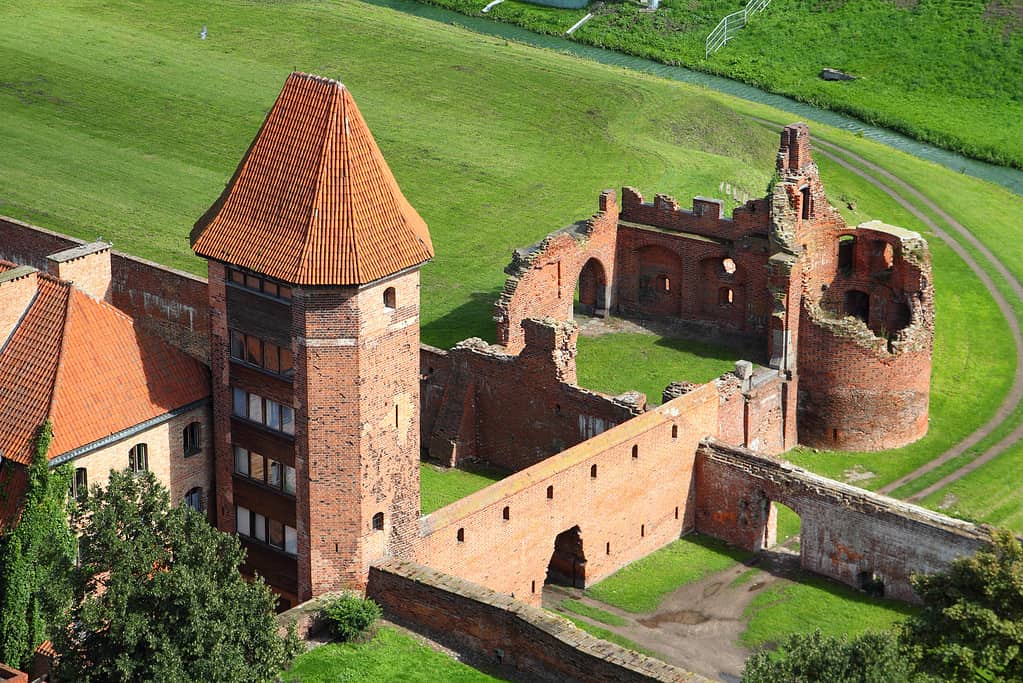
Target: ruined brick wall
[167, 302]
[858, 307]
[695, 266]
[512, 638]
[434, 371]
[848, 534]
[542, 278]
[514, 411]
[627, 490]
[756, 409]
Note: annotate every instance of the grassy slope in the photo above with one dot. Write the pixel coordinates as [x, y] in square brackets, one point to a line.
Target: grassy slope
[441, 486]
[947, 51]
[389, 656]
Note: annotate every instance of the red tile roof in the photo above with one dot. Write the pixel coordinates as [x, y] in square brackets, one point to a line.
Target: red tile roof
[85, 365]
[313, 201]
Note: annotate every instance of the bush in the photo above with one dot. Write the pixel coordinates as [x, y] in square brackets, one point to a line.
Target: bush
[349, 615]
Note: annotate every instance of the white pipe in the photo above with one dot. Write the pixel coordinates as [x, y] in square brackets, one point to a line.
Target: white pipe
[578, 24]
[493, 3]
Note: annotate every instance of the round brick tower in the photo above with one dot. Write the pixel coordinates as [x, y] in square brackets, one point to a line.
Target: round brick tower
[865, 304]
[314, 258]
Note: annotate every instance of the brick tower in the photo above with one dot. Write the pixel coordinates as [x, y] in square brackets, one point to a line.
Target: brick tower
[314, 257]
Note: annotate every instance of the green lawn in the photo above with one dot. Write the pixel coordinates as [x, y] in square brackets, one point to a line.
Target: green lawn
[816, 602]
[591, 612]
[907, 55]
[609, 636]
[640, 586]
[439, 486]
[389, 656]
[618, 362]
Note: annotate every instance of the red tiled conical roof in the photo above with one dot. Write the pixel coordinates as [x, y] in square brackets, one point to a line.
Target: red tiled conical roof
[313, 201]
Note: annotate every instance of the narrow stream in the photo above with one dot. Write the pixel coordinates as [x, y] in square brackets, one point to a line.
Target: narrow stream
[1009, 178]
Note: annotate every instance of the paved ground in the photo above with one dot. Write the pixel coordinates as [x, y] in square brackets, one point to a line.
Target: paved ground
[698, 626]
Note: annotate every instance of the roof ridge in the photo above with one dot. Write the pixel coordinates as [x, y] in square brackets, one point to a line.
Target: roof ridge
[60, 346]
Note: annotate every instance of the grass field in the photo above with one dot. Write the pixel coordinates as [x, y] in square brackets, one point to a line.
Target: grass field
[815, 602]
[640, 586]
[440, 486]
[389, 656]
[967, 54]
[591, 612]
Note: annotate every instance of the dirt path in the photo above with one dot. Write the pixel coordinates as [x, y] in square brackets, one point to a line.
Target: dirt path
[698, 626]
[1016, 391]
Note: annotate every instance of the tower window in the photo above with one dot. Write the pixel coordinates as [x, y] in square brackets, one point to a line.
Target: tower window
[461, 536]
[635, 451]
[390, 299]
[550, 491]
[506, 513]
[674, 431]
[378, 521]
[593, 471]
[804, 194]
[191, 438]
[138, 458]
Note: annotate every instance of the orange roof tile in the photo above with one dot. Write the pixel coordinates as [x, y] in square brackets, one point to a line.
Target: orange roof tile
[313, 202]
[86, 366]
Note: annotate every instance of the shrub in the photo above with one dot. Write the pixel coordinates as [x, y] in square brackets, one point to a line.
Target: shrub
[349, 615]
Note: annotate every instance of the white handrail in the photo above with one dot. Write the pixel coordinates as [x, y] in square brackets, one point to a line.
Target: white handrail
[731, 24]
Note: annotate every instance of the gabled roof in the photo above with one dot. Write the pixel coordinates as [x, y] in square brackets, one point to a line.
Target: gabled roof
[84, 365]
[313, 202]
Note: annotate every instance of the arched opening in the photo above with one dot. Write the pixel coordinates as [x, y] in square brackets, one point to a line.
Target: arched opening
[846, 252]
[882, 256]
[390, 299]
[857, 304]
[593, 471]
[726, 297]
[787, 528]
[568, 563]
[591, 289]
[804, 201]
[378, 521]
[870, 583]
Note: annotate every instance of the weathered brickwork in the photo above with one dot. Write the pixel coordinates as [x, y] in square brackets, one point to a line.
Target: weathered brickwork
[625, 490]
[18, 286]
[518, 640]
[543, 277]
[167, 302]
[514, 411]
[854, 536]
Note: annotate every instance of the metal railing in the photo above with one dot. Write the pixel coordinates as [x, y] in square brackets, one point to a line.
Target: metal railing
[731, 25]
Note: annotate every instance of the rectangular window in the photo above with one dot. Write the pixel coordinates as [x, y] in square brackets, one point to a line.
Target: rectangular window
[256, 408]
[237, 345]
[258, 284]
[240, 403]
[242, 520]
[274, 477]
[270, 288]
[259, 527]
[273, 415]
[287, 362]
[287, 420]
[256, 467]
[290, 540]
[271, 358]
[253, 351]
[289, 480]
[276, 534]
[237, 277]
[241, 461]
[81, 484]
[253, 282]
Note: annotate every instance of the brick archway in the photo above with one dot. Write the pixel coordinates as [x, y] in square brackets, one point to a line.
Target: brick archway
[593, 289]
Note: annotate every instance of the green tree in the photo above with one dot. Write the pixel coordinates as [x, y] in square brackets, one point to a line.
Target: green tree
[971, 625]
[35, 559]
[816, 658]
[158, 596]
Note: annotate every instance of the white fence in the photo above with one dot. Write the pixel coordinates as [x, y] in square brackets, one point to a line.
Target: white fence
[731, 24]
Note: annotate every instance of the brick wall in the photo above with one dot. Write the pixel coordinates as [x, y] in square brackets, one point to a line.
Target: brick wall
[542, 277]
[166, 456]
[167, 302]
[627, 490]
[18, 286]
[514, 411]
[847, 533]
[517, 640]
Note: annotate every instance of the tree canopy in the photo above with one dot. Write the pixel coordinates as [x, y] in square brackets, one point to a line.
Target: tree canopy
[35, 559]
[158, 596]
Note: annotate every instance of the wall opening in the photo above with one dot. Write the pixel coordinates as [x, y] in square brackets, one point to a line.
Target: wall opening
[728, 265]
[857, 304]
[635, 451]
[660, 278]
[550, 491]
[591, 289]
[882, 256]
[567, 566]
[390, 299]
[642, 530]
[593, 471]
[378, 521]
[674, 431]
[725, 296]
[870, 583]
[846, 251]
[607, 548]
[804, 201]
[506, 513]
[782, 528]
[461, 535]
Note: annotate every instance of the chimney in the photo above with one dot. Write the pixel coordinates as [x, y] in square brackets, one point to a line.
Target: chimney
[17, 290]
[87, 267]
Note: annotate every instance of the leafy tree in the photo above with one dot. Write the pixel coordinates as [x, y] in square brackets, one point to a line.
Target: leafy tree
[158, 596]
[971, 625]
[816, 658]
[35, 558]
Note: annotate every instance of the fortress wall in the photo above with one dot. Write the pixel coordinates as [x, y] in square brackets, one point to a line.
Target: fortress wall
[637, 502]
[848, 534]
[505, 635]
[514, 411]
[168, 302]
[543, 277]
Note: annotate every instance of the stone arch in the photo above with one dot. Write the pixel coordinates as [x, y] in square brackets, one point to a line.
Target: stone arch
[660, 280]
[593, 288]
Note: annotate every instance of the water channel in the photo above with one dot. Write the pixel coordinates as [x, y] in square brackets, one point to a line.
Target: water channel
[1009, 178]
